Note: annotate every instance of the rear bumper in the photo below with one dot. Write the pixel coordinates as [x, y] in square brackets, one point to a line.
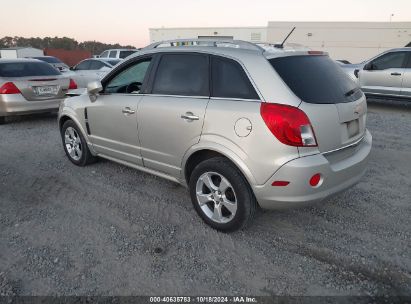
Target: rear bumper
[17, 104]
[336, 177]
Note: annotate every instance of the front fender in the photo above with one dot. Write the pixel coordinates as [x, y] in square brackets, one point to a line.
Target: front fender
[72, 114]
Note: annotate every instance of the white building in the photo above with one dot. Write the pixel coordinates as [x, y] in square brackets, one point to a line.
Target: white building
[20, 52]
[353, 41]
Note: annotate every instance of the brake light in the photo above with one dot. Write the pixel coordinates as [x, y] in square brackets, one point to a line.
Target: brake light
[288, 124]
[9, 88]
[72, 85]
[315, 53]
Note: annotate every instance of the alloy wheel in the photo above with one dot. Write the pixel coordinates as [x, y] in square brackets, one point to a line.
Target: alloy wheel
[216, 197]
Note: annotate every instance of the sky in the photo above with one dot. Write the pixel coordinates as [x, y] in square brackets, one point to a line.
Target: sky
[128, 21]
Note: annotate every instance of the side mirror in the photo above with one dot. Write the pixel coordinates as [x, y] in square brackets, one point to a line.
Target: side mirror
[356, 71]
[72, 68]
[369, 66]
[94, 87]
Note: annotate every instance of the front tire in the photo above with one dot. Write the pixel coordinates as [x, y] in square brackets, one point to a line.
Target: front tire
[75, 145]
[221, 195]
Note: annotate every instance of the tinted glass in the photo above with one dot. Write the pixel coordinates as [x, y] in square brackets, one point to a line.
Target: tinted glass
[113, 54]
[124, 54]
[230, 81]
[24, 69]
[96, 65]
[408, 66]
[85, 65]
[48, 59]
[130, 80]
[389, 61]
[316, 79]
[182, 74]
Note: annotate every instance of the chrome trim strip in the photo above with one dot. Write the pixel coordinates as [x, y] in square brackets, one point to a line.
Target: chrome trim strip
[356, 143]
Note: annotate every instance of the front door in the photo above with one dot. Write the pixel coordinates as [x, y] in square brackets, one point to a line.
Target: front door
[384, 74]
[112, 117]
[406, 82]
[171, 117]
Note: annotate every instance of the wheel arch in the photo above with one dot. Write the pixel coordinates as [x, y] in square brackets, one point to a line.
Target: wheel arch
[68, 116]
[196, 155]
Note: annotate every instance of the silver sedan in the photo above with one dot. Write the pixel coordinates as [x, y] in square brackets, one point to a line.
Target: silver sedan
[29, 85]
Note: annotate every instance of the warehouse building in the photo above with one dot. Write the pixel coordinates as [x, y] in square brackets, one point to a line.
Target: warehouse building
[20, 52]
[352, 41]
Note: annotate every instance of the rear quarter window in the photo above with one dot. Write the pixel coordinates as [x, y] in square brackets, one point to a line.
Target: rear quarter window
[230, 81]
[316, 79]
[25, 69]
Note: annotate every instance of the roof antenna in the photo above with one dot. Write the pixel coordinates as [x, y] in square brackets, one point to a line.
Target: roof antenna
[281, 46]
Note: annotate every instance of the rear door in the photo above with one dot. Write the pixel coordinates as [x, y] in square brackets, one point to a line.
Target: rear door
[384, 75]
[406, 82]
[334, 104]
[171, 117]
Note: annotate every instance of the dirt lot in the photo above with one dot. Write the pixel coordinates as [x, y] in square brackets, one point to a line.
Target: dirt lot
[110, 230]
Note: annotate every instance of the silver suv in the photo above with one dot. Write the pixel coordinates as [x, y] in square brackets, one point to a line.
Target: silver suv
[240, 126]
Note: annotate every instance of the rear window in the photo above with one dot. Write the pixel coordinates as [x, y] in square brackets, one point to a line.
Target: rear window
[316, 79]
[48, 59]
[24, 69]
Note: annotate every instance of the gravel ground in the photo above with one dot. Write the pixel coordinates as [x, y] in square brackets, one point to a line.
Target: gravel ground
[110, 230]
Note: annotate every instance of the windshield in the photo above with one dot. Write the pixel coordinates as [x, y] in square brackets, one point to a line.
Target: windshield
[24, 69]
[316, 79]
[48, 59]
[113, 62]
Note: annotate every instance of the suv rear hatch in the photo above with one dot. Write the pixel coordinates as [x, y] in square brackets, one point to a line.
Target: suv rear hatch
[334, 104]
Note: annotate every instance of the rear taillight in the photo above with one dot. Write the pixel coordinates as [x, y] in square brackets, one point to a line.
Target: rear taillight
[289, 124]
[72, 85]
[9, 88]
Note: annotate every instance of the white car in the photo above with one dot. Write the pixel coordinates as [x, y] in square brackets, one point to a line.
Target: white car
[117, 53]
[92, 69]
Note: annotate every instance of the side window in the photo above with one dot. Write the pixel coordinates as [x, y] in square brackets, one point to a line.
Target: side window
[96, 65]
[182, 74]
[408, 66]
[229, 80]
[389, 61]
[104, 54]
[130, 80]
[84, 65]
[113, 54]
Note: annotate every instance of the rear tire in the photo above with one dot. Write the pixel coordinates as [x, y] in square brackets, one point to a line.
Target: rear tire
[221, 195]
[75, 145]
[3, 120]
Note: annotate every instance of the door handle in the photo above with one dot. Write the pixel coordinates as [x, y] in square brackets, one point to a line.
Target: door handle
[127, 110]
[190, 116]
[396, 74]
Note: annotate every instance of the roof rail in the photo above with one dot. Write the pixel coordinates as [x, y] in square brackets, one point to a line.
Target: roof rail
[205, 42]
